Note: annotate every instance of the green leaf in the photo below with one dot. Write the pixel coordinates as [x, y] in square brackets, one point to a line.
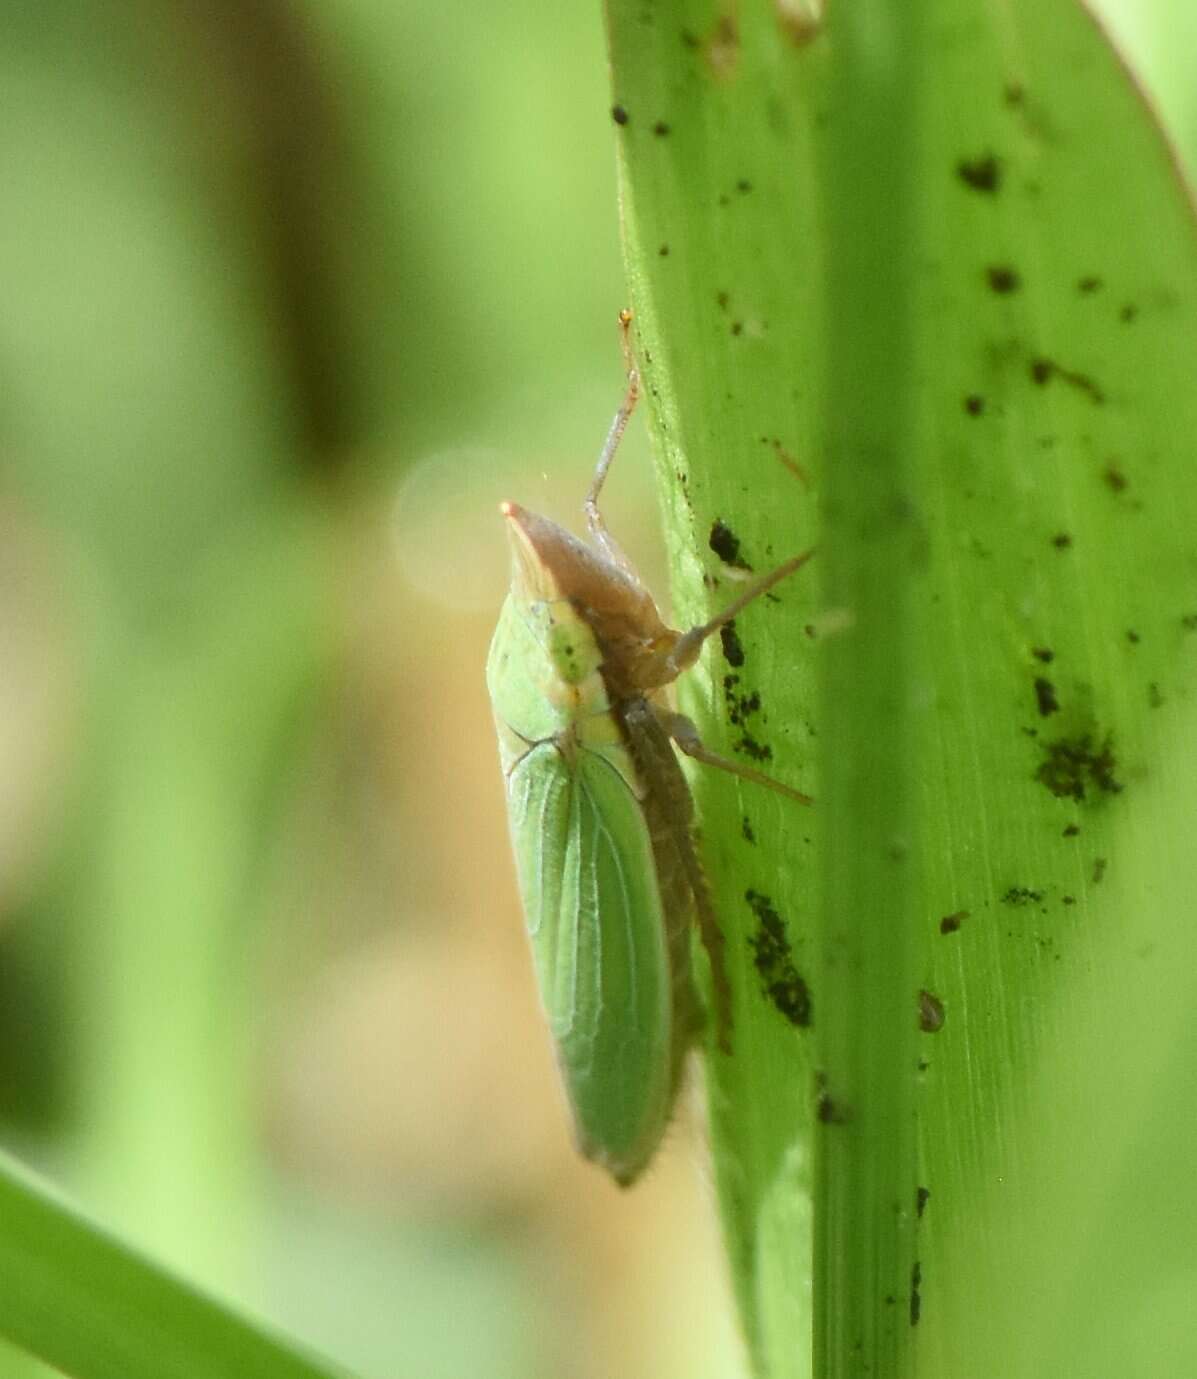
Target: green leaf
[79, 1300]
[940, 257]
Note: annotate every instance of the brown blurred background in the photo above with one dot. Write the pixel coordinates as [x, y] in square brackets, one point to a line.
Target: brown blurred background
[294, 293]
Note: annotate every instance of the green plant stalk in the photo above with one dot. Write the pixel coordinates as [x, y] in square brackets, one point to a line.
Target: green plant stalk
[84, 1303]
[726, 310]
[874, 554]
[946, 263]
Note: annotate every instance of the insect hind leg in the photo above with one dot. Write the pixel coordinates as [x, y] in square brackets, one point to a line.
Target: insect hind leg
[685, 734]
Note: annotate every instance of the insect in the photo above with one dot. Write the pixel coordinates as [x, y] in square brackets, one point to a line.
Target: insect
[601, 817]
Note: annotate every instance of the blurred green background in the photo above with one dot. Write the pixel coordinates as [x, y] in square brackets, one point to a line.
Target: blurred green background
[294, 294]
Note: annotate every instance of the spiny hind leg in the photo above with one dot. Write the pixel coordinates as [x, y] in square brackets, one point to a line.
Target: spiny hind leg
[685, 734]
[597, 527]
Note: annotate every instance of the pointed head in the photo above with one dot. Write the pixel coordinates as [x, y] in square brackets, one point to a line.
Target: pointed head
[550, 565]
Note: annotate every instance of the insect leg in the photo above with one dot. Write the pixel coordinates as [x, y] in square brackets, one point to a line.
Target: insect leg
[594, 518]
[685, 734]
[670, 813]
[689, 644]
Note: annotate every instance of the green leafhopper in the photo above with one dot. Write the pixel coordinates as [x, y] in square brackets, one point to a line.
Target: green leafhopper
[602, 819]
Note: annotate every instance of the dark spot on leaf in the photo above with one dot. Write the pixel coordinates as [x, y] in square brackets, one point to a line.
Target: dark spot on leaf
[774, 962]
[1043, 370]
[1071, 831]
[664, 251]
[726, 545]
[1068, 899]
[619, 114]
[754, 749]
[733, 651]
[746, 830]
[743, 186]
[1128, 313]
[1089, 283]
[950, 923]
[1013, 93]
[974, 404]
[1072, 764]
[737, 327]
[1099, 869]
[982, 174]
[1189, 622]
[660, 129]
[1045, 697]
[916, 1300]
[740, 706]
[921, 1197]
[1044, 654]
[1061, 541]
[1003, 279]
[1021, 895]
[828, 1110]
[1133, 637]
[931, 1015]
[1114, 477]
[1155, 698]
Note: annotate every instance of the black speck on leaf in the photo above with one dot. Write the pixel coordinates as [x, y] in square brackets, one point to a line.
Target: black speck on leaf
[1045, 696]
[733, 650]
[660, 129]
[1043, 370]
[726, 544]
[949, 924]
[773, 959]
[1044, 654]
[758, 751]
[983, 174]
[1003, 279]
[619, 114]
[974, 404]
[1073, 765]
[1021, 895]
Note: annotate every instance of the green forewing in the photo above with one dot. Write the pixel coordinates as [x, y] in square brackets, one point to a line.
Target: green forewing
[598, 941]
[591, 896]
